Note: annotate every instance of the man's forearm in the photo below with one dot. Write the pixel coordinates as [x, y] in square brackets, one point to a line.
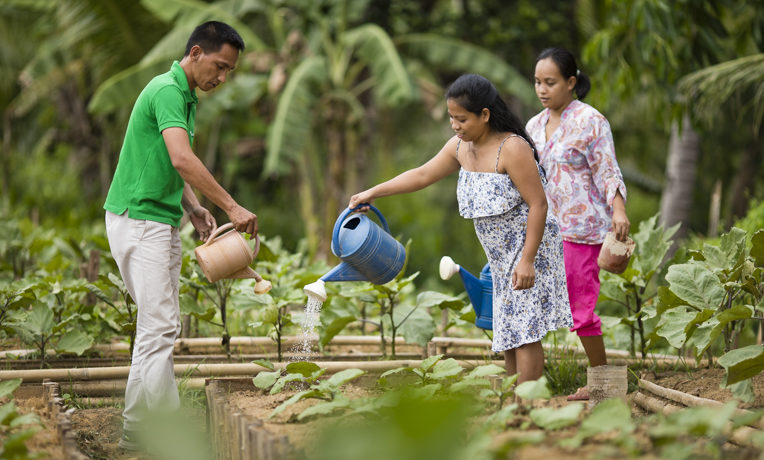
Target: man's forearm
[189, 200]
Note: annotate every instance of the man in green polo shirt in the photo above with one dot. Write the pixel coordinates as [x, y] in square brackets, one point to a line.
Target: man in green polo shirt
[144, 206]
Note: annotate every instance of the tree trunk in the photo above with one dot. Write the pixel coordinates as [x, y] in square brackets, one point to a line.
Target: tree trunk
[681, 165]
[744, 185]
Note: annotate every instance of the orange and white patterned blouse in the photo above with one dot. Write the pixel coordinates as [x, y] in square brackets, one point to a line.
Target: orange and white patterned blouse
[581, 169]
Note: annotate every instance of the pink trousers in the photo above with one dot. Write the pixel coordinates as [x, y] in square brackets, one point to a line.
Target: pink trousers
[582, 275]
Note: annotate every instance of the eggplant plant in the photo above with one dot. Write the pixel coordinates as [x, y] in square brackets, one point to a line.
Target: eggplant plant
[111, 290]
[635, 288]
[14, 297]
[307, 373]
[711, 298]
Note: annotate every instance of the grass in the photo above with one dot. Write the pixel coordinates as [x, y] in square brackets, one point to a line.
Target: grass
[563, 371]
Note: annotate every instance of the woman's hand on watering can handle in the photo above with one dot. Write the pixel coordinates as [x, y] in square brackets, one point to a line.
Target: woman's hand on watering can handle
[203, 222]
[363, 197]
[243, 220]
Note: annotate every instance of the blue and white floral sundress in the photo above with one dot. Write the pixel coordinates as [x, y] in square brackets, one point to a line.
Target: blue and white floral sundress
[500, 216]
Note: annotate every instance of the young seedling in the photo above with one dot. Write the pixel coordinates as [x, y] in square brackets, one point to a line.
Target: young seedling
[308, 373]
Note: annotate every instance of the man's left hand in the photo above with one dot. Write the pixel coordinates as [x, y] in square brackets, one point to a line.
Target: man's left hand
[203, 222]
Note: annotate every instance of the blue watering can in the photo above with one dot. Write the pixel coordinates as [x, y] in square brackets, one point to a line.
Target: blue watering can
[480, 291]
[368, 252]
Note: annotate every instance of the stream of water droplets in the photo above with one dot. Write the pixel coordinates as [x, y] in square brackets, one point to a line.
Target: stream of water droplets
[303, 349]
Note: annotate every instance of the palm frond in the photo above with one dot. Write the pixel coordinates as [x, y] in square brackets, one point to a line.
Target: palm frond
[122, 89]
[456, 55]
[708, 89]
[289, 132]
[191, 13]
[392, 83]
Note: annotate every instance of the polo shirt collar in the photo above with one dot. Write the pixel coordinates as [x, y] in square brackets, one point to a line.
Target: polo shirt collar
[180, 77]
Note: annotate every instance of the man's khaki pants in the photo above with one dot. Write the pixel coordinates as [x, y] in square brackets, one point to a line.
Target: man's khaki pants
[149, 257]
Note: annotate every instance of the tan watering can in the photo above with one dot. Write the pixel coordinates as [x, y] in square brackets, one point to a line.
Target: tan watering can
[614, 255]
[226, 254]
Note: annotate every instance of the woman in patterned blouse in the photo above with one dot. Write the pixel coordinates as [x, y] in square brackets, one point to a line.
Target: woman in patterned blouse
[585, 186]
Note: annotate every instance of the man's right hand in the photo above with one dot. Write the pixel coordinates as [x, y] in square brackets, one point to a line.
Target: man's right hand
[243, 220]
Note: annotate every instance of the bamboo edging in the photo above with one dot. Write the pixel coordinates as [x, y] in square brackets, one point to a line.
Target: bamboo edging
[692, 401]
[236, 436]
[56, 412]
[204, 370]
[742, 436]
[437, 345]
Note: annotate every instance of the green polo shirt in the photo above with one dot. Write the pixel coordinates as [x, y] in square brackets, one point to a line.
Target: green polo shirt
[145, 183]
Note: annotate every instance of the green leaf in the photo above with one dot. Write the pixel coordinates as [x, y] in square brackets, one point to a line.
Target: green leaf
[324, 408]
[611, 414]
[397, 370]
[671, 326]
[446, 53]
[284, 380]
[733, 246]
[334, 328]
[428, 299]
[265, 363]
[265, 380]
[304, 368]
[75, 342]
[757, 248]
[414, 324]
[295, 398]
[743, 390]
[26, 419]
[484, 370]
[430, 361]
[551, 418]
[743, 363]
[696, 284]
[289, 132]
[343, 377]
[470, 383]
[446, 369]
[7, 387]
[39, 321]
[392, 83]
[667, 300]
[653, 242]
[122, 89]
[534, 389]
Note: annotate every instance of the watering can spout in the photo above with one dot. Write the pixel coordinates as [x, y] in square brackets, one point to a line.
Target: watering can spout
[343, 272]
[479, 290]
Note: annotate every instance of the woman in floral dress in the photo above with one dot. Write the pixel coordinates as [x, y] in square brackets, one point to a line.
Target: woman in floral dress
[501, 188]
[586, 188]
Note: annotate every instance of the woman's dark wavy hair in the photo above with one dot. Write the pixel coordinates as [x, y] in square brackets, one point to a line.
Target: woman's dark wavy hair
[475, 93]
[566, 63]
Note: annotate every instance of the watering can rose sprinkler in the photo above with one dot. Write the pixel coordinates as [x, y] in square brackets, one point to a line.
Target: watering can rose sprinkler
[479, 290]
[226, 254]
[368, 252]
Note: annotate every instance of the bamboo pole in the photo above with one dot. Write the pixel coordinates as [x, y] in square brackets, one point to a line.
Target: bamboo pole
[742, 436]
[204, 370]
[690, 400]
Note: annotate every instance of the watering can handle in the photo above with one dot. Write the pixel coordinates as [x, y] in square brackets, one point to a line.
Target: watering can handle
[229, 226]
[341, 218]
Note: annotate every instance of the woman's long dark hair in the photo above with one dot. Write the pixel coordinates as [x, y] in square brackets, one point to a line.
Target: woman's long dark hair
[475, 93]
[566, 63]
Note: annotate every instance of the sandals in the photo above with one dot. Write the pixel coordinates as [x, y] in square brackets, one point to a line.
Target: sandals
[582, 394]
